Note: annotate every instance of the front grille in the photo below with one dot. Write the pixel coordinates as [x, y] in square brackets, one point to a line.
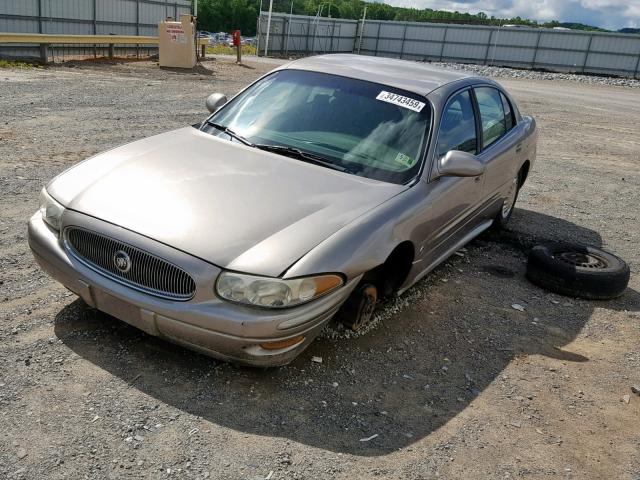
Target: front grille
[145, 272]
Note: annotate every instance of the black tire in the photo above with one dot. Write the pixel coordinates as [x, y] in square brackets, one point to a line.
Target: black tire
[358, 310]
[506, 210]
[578, 271]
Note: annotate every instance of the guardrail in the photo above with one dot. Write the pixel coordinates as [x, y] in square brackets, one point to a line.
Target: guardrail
[44, 41]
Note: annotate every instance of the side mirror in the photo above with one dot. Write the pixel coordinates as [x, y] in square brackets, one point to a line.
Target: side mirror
[460, 164]
[215, 101]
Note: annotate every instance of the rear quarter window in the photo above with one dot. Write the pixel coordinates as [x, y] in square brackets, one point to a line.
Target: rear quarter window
[492, 114]
[509, 115]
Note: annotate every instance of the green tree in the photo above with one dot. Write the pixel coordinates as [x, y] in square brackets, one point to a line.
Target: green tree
[227, 15]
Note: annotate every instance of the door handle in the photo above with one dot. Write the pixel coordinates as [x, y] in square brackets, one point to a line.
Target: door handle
[519, 148]
[477, 179]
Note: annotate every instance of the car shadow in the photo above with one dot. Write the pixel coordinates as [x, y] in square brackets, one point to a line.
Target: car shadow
[432, 352]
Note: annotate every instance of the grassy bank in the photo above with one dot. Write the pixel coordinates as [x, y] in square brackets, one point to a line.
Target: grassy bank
[15, 64]
[227, 50]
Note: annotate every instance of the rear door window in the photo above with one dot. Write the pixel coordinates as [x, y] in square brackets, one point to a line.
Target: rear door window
[492, 114]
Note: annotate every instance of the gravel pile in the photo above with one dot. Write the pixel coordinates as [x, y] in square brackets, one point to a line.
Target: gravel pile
[504, 72]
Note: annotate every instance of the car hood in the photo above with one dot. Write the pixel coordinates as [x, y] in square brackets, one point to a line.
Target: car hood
[234, 206]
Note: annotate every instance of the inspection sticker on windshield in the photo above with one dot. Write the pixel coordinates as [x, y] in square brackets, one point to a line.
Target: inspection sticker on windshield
[405, 160]
[401, 101]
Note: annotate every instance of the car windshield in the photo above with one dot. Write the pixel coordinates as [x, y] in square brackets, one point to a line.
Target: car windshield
[363, 128]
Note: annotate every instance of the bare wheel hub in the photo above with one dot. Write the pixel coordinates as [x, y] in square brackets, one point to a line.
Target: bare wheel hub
[367, 307]
[584, 260]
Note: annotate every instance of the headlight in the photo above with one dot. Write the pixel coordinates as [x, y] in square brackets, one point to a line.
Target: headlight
[274, 292]
[51, 210]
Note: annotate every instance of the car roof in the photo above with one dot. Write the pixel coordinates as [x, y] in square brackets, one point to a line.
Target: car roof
[415, 77]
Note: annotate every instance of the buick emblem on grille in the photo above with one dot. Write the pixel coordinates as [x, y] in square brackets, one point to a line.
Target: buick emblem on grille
[122, 261]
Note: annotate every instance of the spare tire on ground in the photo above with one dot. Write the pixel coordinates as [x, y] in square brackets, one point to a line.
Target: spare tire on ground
[578, 271]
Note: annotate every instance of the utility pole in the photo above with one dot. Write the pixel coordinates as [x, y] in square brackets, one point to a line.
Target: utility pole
[286, 52]
[495, 44]
[259, 30]
[195, 8]
[364, 17]
[266, 43]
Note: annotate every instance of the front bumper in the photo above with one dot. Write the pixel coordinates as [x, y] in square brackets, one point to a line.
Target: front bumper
[205, 323]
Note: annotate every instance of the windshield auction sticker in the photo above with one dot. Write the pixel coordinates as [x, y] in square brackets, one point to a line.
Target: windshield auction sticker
[401, 101]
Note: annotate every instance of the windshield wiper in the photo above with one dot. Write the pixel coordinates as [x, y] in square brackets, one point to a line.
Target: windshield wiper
[230, 132]
[302, 155]
[281, 149]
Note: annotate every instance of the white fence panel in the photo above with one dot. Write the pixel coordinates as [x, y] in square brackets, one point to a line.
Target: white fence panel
[600, 53]
[19, 7]
[72, 9]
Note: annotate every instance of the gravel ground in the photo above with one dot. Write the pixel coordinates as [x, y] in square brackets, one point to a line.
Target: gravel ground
[450, 381]
[502, 72]
[497, 72]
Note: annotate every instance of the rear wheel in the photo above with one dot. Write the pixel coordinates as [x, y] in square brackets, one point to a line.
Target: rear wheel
[358, 310]
[508, 205]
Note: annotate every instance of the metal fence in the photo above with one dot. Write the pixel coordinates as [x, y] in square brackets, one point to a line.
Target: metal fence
[544, 49]
[84, 17]
[302, 35]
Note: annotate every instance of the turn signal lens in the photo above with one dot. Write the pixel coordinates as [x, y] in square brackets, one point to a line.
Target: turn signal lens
[326, 283]
[282, 343]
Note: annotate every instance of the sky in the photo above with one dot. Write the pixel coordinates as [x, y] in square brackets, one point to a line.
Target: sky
[610, 14]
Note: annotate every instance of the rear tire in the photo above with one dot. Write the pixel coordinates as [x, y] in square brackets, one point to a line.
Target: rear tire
[358, 310]
[508, 205]
[578, 271]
